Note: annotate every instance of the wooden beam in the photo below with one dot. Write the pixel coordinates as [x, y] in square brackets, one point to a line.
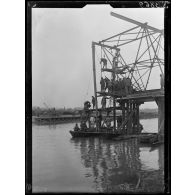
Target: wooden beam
[143, 25]
[108, 46]
[122, 33]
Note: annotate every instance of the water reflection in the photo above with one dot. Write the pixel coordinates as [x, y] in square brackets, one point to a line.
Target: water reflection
[123, 166]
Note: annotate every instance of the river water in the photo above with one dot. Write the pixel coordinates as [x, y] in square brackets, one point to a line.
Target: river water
[63, 164]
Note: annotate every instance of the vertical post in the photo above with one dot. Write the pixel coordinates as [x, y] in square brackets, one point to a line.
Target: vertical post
[114, 100]
[94, 81]
[160, 103]
[123, 113]
[127, 115]
[138, 117]
[134, 117]
[130, 118]
[114, 113]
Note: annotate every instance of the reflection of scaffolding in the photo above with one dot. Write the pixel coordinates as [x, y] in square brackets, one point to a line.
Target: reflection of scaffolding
[149, 56]
[111, 164]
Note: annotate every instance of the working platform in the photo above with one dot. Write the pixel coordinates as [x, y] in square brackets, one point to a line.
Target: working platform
[113, 94]
[146, 96]
[116, 71]
[106, 109]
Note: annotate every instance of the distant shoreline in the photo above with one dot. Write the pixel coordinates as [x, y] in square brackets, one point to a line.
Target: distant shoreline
[76, 118]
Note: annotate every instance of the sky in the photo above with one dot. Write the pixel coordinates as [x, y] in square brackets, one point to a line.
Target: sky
[61, 49]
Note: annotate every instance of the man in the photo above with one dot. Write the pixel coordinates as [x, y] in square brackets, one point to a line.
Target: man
[87, 105]
[106, 83]
[120, 85]
[110, 86]
[119, 121]
[103, 102]
[129, 86]
[161, 81]
[123, 86]
[83, 126]
[92, 122]
[93, 101]
[76, 128]
[115, 61]
[99, 119]
[127, 82]
[104, 61]
[102, 83]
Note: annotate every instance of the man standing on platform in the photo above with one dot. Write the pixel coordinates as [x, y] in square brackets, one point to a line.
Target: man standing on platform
[99, 118]
[103, 102]
[102, 83]
[106, 83]
[93, 101]
[129, 86]
[104, 61]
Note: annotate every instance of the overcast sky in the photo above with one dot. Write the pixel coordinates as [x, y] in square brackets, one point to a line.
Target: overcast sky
[61, 49]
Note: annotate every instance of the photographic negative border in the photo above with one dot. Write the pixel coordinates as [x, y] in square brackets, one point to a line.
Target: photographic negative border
[28, 75]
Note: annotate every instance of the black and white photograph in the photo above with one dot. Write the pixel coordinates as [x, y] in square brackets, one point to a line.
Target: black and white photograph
[98, 78]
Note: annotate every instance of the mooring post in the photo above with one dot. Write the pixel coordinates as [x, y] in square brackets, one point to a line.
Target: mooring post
[95, 86]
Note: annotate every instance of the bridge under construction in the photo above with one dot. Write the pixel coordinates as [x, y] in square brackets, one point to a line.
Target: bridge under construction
[130, 70]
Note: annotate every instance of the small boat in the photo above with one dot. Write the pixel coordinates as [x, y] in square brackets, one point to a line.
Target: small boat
[148, 138]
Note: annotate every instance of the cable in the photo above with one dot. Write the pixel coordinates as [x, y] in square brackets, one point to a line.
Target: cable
[87, 87]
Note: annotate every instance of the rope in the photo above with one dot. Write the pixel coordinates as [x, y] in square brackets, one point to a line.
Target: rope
[88, 87]
[99, 58]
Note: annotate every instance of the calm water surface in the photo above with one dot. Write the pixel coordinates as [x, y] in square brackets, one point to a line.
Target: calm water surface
[63, 164]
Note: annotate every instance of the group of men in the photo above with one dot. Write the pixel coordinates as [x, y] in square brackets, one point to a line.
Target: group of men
[121, 85]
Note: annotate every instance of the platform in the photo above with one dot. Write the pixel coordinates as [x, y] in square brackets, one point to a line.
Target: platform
[146, 96]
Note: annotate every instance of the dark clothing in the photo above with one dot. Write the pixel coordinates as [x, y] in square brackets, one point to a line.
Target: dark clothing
[93, 101]
[99, 120]
[115, 62]
[110, 86]
[87, 105]
[127, 83]
[119, 121]
[76, 128]
[83, 126]
[103, 102]
[102, 83]
[104, 62]
[106, 83]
